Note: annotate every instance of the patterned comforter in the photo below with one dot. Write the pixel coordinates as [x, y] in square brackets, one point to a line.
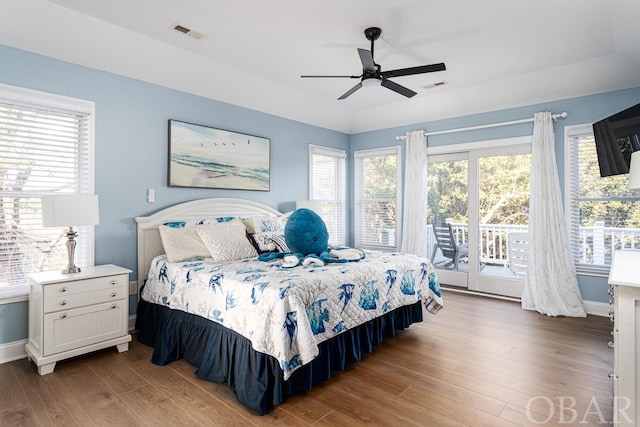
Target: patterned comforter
[287, 312]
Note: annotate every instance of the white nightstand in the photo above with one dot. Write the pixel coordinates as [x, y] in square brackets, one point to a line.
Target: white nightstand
[73, 314]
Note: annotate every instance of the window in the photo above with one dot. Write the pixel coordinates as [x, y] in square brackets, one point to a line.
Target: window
[327, 183]
[377, 198]
[45, 148]
[604, 215]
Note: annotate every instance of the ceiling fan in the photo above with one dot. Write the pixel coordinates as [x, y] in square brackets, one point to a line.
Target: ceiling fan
[372, 74]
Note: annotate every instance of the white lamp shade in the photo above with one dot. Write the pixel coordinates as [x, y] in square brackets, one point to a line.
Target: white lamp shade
[634, 171]
[70, 210]
[314, 205]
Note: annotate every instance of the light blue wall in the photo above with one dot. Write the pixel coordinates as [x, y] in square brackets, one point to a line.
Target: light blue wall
[131, 152]
[13, 322]
[587, 109]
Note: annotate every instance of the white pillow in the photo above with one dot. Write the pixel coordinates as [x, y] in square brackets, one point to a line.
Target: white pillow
[227, 241]
[182, 244]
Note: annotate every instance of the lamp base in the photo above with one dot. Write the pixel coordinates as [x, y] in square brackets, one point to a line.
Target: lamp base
[71, 248]
[71, 270]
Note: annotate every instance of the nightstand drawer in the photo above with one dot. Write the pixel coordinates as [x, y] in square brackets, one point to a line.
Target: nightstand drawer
[55, 290]
[74, 300]
[70, 329]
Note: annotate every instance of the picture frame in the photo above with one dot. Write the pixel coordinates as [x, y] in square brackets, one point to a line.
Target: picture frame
[207, 157]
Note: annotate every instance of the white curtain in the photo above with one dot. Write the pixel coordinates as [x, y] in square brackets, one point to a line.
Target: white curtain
[414, 214]
[551, 284]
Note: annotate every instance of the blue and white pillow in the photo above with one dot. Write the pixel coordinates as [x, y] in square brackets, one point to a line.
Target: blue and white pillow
[193, 222]
[269, 223]
[270, 242]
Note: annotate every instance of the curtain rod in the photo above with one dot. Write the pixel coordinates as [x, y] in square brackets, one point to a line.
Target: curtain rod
[490, 125]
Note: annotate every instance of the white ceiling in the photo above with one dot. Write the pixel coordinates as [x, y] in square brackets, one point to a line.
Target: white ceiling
[499, 53]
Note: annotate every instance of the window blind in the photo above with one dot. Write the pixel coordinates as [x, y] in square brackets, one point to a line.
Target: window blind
[603, 214]
[45, 148]
[377, 198]
[327, 183]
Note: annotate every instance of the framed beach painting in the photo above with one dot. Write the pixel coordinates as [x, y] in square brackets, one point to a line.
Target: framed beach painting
[206, 157]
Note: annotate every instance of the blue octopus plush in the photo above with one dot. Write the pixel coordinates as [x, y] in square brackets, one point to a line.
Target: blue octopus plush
[307, 237]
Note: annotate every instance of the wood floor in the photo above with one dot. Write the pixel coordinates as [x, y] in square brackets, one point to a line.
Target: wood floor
[479, 362]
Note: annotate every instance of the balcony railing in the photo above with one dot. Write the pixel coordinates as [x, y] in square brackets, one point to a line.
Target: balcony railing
[597, 243]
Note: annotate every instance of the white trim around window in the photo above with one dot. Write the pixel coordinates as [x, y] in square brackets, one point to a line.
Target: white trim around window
[377, 196]
[327, 183]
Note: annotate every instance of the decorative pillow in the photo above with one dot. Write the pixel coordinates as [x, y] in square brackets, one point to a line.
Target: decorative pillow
[193, 222]
[267, 223]
[182, 244]
[270, 242]
[227, 241]
[248, 223]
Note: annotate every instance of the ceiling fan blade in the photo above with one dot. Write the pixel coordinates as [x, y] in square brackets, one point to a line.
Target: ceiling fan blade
[414, 70]
[398, 88]
[332, 77]
[350, 91]
[367, 60]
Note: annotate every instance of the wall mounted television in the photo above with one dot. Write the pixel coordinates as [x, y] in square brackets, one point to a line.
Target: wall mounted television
[616, 137]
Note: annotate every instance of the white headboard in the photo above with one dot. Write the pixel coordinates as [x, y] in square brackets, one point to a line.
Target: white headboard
[149, 243]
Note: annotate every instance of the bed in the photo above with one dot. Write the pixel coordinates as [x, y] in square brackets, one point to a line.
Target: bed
[265, 330]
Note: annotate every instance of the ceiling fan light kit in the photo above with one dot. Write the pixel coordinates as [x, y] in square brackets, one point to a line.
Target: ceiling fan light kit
[372, 74]
[371, 82]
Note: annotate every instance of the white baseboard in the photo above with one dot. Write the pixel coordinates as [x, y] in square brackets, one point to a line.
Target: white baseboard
[596, 308]
[132, 322]
[12, 351]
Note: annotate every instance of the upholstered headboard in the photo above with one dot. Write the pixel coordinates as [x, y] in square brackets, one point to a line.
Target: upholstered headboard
[149, 243]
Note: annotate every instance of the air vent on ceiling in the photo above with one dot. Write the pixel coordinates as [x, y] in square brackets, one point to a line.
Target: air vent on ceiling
[436, 84]
[189, 32]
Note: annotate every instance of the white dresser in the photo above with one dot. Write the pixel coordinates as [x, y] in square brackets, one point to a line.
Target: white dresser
[73, 314]
[624, 277]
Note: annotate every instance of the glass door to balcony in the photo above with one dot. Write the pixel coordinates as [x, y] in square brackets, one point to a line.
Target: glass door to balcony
[476, 200]
[448, 210]
[500, 214]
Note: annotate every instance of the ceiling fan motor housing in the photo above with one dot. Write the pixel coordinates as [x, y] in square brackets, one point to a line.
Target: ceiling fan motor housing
[372, 33]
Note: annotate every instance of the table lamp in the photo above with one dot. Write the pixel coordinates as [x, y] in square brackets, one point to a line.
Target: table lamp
[69, 211]
[314, 205]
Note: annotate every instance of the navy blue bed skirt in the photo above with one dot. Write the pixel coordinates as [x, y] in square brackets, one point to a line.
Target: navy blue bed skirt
[224, 356]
